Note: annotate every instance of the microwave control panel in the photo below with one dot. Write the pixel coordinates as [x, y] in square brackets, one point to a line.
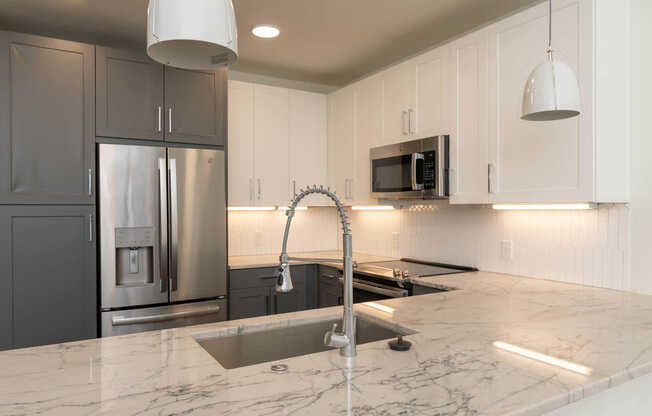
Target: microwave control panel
[429, 169]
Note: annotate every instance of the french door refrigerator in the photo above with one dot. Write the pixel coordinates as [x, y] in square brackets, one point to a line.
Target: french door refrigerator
[162, 230]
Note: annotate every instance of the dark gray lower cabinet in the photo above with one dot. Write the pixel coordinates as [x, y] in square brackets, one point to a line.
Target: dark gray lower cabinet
[330, 289]
[252, 292]
[291, 301]
[47, 275]
[248, 303]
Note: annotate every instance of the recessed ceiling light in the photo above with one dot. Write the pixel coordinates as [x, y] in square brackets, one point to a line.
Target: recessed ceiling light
[265, 31]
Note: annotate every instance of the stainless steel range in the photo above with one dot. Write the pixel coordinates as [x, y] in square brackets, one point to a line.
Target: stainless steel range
[392, 279]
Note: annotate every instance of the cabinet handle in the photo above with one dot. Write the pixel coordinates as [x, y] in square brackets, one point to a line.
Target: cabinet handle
[490, 172]
[170, 119]
[411, 121]
[259, 189]
[294, 188]
[404, 122]
[267, 308]
[90, 182]
[160, 110]
[90, 227]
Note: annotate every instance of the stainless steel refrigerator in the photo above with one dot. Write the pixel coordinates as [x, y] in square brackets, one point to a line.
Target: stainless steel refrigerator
[162, 225]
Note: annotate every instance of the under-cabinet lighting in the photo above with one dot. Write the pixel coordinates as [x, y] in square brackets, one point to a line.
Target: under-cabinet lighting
[372, 208]
[558, 362]
[534, 207]
[380, 307]
[296, 209]
[252, 208]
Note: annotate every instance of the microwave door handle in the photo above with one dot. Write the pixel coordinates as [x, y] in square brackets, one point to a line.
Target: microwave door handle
[415, 157]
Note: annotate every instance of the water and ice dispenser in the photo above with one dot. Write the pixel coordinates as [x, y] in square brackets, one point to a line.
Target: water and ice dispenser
[134, 256]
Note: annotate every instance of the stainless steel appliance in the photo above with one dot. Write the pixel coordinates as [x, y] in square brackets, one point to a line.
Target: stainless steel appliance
[162, 237]
[392, 279]
[418, 169]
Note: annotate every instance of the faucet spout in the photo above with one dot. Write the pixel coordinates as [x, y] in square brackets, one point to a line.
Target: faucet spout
[345, 340]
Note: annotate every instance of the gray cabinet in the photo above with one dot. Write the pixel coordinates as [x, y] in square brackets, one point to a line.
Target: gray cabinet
[129, 95]
[47, 120]
[47, 275]
[290, 302]
[252, 292]
[330, 290]
[249, 303]
[196, 106]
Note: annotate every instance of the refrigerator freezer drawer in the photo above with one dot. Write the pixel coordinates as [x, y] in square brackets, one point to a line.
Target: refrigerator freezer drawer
[162, 317]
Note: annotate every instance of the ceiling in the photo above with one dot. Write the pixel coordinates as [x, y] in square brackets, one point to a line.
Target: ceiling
[331, 42]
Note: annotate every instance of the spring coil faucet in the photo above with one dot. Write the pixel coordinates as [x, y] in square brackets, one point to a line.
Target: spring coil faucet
[344, 340]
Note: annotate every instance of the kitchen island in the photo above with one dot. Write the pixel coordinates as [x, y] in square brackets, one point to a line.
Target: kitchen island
[453, 367]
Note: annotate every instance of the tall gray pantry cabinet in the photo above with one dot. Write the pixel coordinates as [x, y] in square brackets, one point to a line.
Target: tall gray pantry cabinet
[47, 192]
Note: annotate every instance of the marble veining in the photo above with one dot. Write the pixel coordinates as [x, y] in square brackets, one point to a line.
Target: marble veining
[452, 369]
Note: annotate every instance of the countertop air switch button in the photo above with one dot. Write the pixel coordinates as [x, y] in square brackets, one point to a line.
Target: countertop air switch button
[399, 344]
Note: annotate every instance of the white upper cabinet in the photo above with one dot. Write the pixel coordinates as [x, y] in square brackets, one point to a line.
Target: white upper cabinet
[468, 106]
[241, 143]
[368, 134]
[430, 117]
[398, 102]
[341, 144]
[581, 159]
[307, 143]
[271, 132]
[277, 143]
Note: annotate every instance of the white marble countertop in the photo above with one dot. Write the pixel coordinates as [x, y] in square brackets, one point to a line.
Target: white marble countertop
[271, 260]
[453, 367]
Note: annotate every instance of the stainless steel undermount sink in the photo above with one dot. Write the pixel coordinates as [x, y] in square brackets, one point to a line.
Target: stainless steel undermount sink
[279, 343]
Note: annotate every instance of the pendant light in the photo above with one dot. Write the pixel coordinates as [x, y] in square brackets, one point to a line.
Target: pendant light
[551, 91]
[197, 34]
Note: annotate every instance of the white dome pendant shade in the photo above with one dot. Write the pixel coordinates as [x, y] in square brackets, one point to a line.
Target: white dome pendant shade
[192, 34]
[551, 91]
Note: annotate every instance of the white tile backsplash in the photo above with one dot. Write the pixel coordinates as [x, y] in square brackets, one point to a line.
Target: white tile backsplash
[586, 247]
[261, 232]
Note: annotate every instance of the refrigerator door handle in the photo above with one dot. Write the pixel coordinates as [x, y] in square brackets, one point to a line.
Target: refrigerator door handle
[133, 320]
[163, 225]
[174, 224]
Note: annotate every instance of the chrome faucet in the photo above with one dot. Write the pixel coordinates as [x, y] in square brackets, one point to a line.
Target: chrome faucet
[344, 340]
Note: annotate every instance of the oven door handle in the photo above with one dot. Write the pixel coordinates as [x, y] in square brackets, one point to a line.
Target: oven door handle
[384, 290]
[415, 158]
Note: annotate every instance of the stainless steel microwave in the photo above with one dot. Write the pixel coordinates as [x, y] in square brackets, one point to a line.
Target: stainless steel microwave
[418, 169]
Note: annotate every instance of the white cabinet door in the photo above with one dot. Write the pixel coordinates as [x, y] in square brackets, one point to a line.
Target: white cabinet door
[398, 102]
[271, 129]
[430, 117]
[469, 130]
[368, 134]
[540, 161]
[307, 145]
[341, 142]
[241, 143]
